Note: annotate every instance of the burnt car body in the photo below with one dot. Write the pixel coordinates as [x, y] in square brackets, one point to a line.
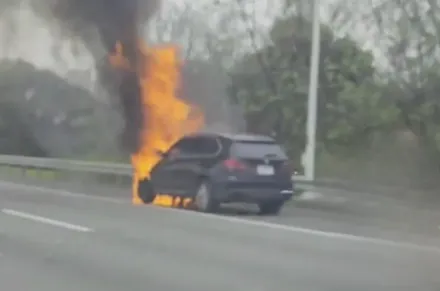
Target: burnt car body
[213, 169]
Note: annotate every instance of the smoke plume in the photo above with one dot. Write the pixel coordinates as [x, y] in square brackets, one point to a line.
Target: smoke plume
[100, 25]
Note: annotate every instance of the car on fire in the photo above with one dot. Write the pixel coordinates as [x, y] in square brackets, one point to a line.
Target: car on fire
[213, 169]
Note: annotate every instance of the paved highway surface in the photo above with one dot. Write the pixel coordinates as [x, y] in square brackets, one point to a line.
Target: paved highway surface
[59, 240]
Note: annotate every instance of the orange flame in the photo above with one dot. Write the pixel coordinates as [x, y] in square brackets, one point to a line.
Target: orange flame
[167, 118]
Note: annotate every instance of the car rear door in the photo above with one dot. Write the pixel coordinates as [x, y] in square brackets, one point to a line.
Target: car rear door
[265, 163]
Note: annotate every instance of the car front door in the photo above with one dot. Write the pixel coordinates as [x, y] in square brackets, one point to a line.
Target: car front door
[162, 175]
[183, 170]
[193, 162]
[180, 169]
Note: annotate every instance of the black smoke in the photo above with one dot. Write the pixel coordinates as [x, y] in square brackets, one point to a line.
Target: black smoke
[100, 24]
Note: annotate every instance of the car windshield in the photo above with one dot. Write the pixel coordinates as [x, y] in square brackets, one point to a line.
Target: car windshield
[252, 150]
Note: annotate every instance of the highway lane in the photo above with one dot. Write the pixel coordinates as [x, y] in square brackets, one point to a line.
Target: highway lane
[75, 242]
[333, 211]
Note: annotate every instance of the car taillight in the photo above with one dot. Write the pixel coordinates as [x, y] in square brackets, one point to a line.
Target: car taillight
[232, 164]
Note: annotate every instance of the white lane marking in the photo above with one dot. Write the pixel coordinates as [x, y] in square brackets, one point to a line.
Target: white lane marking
[319, 197]
[310, 195]
[312, 232]
[291, 228]
[45, 220]
[63, 193]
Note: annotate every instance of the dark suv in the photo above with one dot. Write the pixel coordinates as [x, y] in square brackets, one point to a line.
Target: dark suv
[223, 168]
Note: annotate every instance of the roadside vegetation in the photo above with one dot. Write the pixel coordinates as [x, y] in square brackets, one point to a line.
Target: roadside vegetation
[379, 104]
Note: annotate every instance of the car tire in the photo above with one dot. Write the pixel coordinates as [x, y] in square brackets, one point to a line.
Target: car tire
[203, 199]
[146, 191]
[270, 207]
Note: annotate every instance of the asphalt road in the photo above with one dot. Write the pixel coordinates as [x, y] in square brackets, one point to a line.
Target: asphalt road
[60, 240]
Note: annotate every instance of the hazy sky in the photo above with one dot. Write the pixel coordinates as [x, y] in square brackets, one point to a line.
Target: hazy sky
[30, 38]
[25, 36]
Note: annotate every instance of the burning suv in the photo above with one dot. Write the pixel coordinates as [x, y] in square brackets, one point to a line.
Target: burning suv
[211, 169]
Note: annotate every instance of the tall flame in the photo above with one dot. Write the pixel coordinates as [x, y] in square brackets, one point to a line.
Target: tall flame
[166, 117]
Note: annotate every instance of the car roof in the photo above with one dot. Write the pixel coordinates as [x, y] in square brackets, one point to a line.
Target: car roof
[236, 136]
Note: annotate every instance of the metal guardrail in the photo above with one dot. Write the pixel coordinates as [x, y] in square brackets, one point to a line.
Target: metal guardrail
[65, 165]
[121, 173]
[75, 166]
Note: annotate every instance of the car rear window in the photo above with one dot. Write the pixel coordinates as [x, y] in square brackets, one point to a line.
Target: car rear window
[254, 150]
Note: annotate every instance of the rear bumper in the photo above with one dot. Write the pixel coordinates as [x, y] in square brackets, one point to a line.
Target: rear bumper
[231, 193]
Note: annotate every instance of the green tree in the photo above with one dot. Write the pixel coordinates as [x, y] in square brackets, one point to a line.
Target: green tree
[43, 114]
[413, 66]
[405, 36]
[272, 84]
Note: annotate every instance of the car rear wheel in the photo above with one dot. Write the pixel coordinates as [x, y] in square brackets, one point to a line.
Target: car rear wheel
[270, 207]
[204, 201]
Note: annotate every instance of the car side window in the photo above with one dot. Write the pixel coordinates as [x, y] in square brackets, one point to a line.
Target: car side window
[174, 153]
[188, 146]
[208, 146]
[179, 149]
[195, 146]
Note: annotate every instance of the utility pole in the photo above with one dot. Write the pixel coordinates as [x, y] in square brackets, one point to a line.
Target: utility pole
[312, 108]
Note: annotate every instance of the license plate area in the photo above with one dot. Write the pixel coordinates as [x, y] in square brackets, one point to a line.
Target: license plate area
[265, 170]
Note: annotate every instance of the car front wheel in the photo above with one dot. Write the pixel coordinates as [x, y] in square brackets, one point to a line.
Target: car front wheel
[146, 191]
[203, 200]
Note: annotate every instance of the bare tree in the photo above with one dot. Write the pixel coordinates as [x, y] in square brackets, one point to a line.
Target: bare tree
[177, 24]
[403, 34]
[8, 25]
